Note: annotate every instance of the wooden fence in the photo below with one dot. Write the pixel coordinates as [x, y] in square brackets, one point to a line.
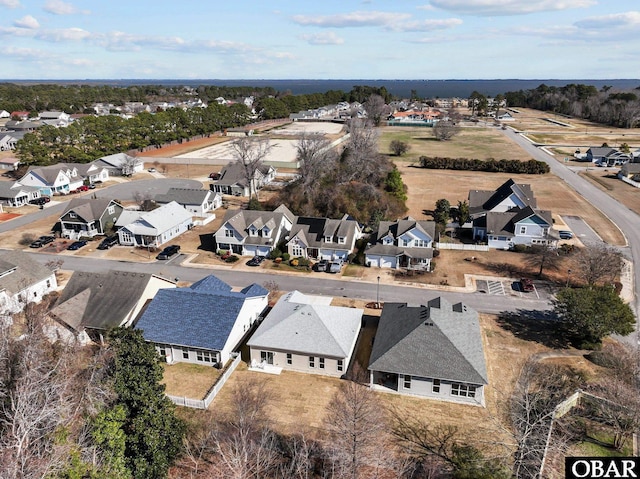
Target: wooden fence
[460, 246]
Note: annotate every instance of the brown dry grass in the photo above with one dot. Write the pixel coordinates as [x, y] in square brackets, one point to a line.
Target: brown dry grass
[189, 380]
[606, 180]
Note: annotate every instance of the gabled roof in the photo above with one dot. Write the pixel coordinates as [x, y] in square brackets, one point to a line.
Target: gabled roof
[312, 231]
[19, 271]
[10, 189]
[483, 200]
[100, 300]
[603, 151]
[505, 223]
[117, 160]
[159, 220]
[241, 220]
[299, 323]
[89, 209]
[400, 227]
[231, 174]
[200, 316]
[184, 196]
[49, 174]
[437, 340]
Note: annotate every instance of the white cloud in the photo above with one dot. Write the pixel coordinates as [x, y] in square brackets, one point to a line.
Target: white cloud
[615, 20]
[323, 38]
[429, 25]
[353, 19]
[64, 35]
[27, 22]
[508, 7]
[25, 53]
[58, 7]
[10, 3]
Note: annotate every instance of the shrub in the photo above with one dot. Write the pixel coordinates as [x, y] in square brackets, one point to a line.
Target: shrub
[532, 167]
[275, 253]
[285, 256]
[27, 239]
[520, 248]
[303, 261]
[294, 262]
[231, 259]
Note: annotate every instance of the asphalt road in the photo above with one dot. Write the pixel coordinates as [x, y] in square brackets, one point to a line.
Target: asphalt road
[627, 220]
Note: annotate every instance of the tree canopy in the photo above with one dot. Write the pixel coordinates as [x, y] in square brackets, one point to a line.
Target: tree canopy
[589, 314]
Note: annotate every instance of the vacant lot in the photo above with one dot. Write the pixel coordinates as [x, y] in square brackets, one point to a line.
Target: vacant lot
[607, 180]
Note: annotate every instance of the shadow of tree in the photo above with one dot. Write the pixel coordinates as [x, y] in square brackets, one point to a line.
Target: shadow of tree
[506, 269]
[207, 243]
[538, 326]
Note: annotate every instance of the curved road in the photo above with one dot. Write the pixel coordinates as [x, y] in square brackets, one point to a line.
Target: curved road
[623, 217]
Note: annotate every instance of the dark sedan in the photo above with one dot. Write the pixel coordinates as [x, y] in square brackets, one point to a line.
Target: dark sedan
[168, 252]
[255, 261]
[77, 245]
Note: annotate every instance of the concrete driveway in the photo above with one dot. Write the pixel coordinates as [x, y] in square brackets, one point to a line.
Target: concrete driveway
[581, 230]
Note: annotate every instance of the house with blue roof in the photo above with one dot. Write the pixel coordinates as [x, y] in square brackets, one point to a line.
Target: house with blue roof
[202, 323]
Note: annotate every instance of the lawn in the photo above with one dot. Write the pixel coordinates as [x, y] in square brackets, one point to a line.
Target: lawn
[189, 380]
[606, 180]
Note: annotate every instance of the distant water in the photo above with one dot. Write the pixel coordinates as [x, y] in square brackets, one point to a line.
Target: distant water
[399, 88]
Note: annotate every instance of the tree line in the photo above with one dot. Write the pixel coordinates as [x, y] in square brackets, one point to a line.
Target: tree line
[615, 108]
[532, 167]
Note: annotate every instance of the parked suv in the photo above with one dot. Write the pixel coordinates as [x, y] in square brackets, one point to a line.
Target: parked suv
[168, 252]
[40, 201]
[108, 242]
[565, 234]
[526, 285]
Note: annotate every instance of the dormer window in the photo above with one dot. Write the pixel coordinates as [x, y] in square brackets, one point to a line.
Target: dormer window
[342, 240]
[328, 239]
[111, 209]
[266, 232]
[388, 240]
[253, 231]
[72, 215]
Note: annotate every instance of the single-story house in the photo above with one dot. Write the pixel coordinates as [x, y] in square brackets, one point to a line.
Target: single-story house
[306, 334]
[198, 202]
[9, 164]
[157, 227]
[9, 139]
[252, 232]
[120, 164]
[89, 217]
[93, 303]
[323, 238]
[630, 171]
[404, 243]
[12, 193]
[203, 323]
[233, 181]
[22, 280]
[607, 156]
[432, 350]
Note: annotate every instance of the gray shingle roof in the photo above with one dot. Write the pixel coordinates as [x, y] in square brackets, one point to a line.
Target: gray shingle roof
[27, 271]
[482, 200]
[312, 231]
[200, 316]
[88, 209]
[184, 196]
[437, 340]
[100, 300]
[297, 325]
[159, 220]
[505, 223]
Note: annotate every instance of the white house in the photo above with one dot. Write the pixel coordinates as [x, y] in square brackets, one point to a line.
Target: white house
[252, 232]
[198, 202]
[15, 194]
[22, 280]
[157, 227]
[120, 164]
[203, 323]
[306, 334]
[404, 243]
[61, 178]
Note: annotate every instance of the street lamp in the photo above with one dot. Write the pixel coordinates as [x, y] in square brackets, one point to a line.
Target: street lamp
[568, 275]
[378, 294]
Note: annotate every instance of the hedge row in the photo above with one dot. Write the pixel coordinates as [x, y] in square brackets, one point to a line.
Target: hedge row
[532, 167]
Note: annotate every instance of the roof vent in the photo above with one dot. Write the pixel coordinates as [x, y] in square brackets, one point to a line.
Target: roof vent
[428, 323]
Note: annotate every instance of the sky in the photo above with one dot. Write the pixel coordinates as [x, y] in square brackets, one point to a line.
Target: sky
[322, 39]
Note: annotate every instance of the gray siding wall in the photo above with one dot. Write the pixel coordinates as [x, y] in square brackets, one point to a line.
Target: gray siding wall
[301, 363]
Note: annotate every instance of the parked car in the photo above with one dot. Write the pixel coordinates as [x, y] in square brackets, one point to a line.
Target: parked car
[526, 285]
[83, 188]
[151, 170]
[92, 186]
[214, 176]
[108, 242]
[46, 239]
[168, 252]
[565, 234]
[36, 244]
[255, 261]
[321, 265]
[334, 266]
[77, 245]
[40, 201]
[42, 241]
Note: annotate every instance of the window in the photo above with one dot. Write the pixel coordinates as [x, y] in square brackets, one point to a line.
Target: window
[48, 283]
[328, 239]
[405, 242]
[289, 358]
[266, 232]
[321, 363]
[297, 251]
[228, 233]
[163, 351]
[340, 365]
[185, 354]
[523, 230]
[205, 356]
[463, 390]
[342, 240]
[435, 387]
[72, 215]
[111, 209]
[312, 362]
[253, 231]
[407, 382]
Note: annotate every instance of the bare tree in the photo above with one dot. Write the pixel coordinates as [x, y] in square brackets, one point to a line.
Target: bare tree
[376, 109]
[357, 425]
[249, 153]
[598, 263]
[543, 257]
[360, 160]
[445, 130]
[317, 158]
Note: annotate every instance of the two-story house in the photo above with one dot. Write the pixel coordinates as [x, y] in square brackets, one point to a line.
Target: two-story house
[89, 217]
[509, 216]
[251, 232]
[404, 243]
[198, 202]
[323, 238]
[233, 180]
[61, 178]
